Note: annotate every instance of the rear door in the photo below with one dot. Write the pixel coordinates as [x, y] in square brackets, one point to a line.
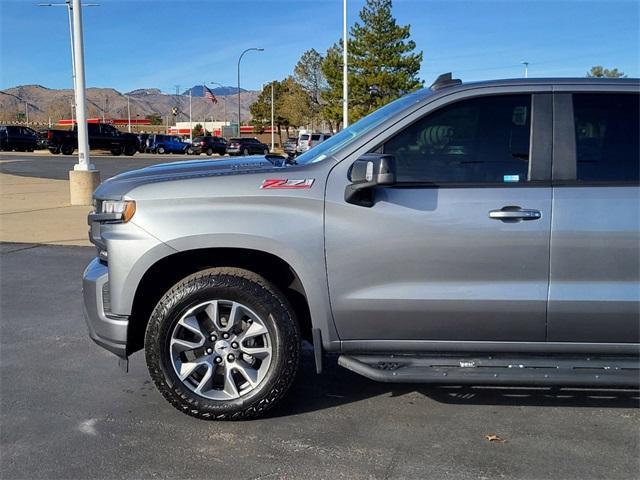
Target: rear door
[594, 291]
[449, 253]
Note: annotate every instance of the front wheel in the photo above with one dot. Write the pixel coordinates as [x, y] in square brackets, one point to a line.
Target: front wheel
[67, 149]
[160, 150]
[130, 150]
[116, 151]
[223, 344]
[245, 152]
[209, 151]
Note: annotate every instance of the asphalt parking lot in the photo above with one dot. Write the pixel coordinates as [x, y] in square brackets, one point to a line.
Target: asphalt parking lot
[56, 167]
[67, 411]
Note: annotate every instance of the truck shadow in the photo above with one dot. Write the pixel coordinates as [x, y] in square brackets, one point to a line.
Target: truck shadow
[337, 386]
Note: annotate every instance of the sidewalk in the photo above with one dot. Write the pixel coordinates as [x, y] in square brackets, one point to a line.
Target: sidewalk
[37, 210]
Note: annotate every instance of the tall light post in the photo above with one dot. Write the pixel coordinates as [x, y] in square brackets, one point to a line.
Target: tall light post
[272, 116]
[67, 4]
[526, 69]
[129, 113]
[345, 70]
[239, 59]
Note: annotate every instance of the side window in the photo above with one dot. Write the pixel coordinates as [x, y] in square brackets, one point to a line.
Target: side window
[606, 129]
[481, 140]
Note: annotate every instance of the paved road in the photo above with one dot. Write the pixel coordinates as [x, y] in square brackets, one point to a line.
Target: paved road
[44, 165]
[67, 411]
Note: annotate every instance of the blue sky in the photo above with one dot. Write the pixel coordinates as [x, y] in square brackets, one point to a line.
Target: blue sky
[133, 44]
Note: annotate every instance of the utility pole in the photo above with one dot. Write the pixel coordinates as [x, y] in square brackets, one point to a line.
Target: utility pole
[26, 111]
[272, 116]
[345, 70]
[526, 69]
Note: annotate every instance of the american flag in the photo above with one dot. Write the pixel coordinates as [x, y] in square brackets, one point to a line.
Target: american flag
[209, 94]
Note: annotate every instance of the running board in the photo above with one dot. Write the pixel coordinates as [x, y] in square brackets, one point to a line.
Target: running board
[498, 370]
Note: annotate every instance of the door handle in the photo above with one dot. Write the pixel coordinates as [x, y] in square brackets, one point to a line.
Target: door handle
[514, 214]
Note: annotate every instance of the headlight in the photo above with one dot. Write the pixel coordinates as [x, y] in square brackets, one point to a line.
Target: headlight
[122, 210]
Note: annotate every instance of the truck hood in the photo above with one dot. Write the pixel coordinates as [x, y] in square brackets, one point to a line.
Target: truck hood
[116, 187]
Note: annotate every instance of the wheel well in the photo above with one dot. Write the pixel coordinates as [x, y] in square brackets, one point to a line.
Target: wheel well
[168, 271]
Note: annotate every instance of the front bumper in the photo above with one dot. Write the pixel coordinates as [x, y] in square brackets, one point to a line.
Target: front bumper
[107, 330]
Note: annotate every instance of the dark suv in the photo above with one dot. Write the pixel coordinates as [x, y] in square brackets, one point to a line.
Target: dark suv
[15, 137]
[246, 146]
[209, 145]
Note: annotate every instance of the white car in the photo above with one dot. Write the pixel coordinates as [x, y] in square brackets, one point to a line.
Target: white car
[310, 140]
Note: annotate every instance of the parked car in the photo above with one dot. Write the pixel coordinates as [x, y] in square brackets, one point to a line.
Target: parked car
[102, 136]
[167, 144]
[484, 233]
[209, 145]
[142, 142]
[42, 142]
[246, 146]
[289, 146]
[309, 140]
[18, 138]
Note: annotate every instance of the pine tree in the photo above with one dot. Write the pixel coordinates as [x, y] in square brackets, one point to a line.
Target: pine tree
[600, 72]
[383, 65]
[332, 95]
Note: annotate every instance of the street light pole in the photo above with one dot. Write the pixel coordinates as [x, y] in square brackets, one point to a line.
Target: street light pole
[239, 59]
[526, 69]
[345, 70]
[83, 179]
[129, 113]
[69, 8]
[272, 116]
[81, 105]
[190, 125]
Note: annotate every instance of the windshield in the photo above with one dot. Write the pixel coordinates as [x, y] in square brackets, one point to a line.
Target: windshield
[362, 126]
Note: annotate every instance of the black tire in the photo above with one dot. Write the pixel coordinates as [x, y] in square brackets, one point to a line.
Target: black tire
[235, 285]
[54, 150]
[130, 150]
[160, 150]
[209, 151]
[266, 151]
[245, 152]
[67, 149]
[117, 151]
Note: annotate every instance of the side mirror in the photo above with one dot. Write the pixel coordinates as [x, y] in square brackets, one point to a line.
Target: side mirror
[366, 173]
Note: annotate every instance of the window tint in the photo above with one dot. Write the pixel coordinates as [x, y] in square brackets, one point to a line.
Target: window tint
[482, 140]
[606, 128]
[315, 137]
[304, 137]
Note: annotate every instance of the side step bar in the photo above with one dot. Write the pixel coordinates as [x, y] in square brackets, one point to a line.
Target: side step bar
[498, 370]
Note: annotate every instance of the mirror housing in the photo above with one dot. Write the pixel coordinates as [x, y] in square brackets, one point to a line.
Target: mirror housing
[367, 172]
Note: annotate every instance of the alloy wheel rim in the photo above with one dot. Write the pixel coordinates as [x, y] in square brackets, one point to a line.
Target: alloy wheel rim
[220, 350]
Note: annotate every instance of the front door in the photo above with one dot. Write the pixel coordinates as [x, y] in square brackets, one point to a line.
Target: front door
[459, 248]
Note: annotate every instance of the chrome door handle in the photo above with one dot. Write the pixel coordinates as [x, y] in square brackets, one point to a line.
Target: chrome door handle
[514, 214]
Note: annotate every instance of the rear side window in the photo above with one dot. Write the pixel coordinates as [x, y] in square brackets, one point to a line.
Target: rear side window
[481, 140]
[304, 137]
[315, 137]
[606, 130]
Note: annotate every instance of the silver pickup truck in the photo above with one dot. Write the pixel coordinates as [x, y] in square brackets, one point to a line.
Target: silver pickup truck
[482, 233]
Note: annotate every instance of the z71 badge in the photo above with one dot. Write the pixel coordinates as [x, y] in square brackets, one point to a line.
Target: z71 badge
[286, 183]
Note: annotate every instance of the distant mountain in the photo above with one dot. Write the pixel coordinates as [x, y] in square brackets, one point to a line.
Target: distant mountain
[141, 92]
[45, 102]
[198, 91]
